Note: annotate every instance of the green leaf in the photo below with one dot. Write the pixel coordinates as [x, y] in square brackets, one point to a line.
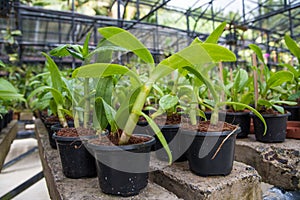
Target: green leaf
[110, 114]
[128, 41]
[104, 90]
[279, 108]
[85, 49]
[55, 74]
[292, 45]
[98, 70]
[215, 35]
[75, 53]
[168, 101]
[240, 80]
[258, 52]
[159, 135]
[292, 69]
[278, 78]
[7, 86]
[199, 56]
[2, 63]
[60, 51]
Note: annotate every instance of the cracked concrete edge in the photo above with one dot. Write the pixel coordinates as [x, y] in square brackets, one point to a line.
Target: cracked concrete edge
[277, 163]
[243, 182]
[8, 135]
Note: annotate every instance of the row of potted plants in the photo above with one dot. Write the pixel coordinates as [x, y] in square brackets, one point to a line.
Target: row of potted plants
[109, 100]
[8, 95]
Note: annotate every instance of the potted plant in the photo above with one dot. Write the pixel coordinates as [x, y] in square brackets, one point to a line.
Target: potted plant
[236, 86]
[268, 89]
[293, 88]
[213, 141]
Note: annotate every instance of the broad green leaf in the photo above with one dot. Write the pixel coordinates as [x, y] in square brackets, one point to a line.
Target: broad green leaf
[37, 90]
[279, 108]
[110, 113]
[168, 101]
[104, 90]
[293, 46]
[215, 35]
[159, 135]
[55, 74]
[7, 86]
[58, 98]
[7, 95]
[265, 103]
[197, 55]
[240, 80]
[98, 70]
[258, 52]
[60, 51]
[278, 78]
[292, 69]
[128, 41]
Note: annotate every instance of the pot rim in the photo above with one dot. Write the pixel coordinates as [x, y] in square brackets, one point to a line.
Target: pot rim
[210, 134]
[273, 115]
[122, 147]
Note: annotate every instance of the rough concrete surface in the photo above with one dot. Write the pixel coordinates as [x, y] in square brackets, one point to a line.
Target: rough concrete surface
[61, 187]
[242, 183]
[7, 136]
[277, 163]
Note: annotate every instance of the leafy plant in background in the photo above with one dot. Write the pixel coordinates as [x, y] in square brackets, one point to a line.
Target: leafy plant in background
[8, 94]
[57, 92]
[293, 89]
[270, 84]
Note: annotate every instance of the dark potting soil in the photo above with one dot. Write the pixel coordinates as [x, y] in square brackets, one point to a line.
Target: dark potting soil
[205, 126]
[269, 111]
[75, 132]
[113, 139]
[54, 119]
[174, 118]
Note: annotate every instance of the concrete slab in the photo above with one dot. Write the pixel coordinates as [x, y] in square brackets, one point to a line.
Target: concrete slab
[61, 187]
[7, 136]
[242, 183]
[277, 163]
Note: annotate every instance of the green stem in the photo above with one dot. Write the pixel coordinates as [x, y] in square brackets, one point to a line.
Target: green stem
[87, 103]
[134, 116]
[61, 117]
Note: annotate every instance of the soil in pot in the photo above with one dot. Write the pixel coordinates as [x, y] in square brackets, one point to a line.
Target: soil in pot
[76, 160]
[122, 170]
[276, 127]
[49, 122]
[170, 128]
[212, 150]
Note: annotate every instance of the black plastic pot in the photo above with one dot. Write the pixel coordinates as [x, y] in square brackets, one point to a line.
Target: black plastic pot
[54, 128]
[239, 118]
[203, 148]
[295, 112]
[122, 170]
[276, 127]
[76, 160]
[174, 139]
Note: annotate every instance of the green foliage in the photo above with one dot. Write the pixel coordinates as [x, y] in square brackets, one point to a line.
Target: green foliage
[270, 86]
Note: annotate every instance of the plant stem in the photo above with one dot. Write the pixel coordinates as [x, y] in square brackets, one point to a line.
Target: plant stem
[87, 103]
[134, 116]
[61, 117]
